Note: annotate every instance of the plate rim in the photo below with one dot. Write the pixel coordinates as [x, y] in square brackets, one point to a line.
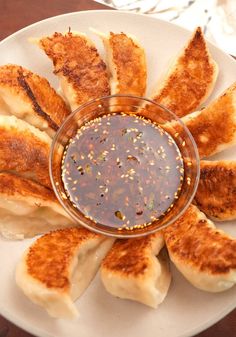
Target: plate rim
[35, 329]
[38, 332]
[118, 12]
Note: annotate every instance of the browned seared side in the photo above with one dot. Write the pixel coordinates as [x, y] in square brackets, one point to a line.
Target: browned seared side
[216, 124]
[194, 243]
[49, 258]
[13, 185]
[35, 91]
[129, 64]
[24, 153]
[79, 63]
[129, 257]
[190, 80]
[216, 193]
[47, 98]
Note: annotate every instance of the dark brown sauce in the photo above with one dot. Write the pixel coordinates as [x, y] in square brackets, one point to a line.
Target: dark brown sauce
[122, 171]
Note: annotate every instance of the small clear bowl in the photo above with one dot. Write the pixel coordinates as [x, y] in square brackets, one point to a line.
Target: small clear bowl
[141, 107]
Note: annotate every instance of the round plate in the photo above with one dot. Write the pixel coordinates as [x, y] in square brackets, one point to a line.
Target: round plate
[186, 310]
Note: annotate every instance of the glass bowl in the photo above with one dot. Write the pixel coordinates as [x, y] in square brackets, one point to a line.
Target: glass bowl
[141, 107]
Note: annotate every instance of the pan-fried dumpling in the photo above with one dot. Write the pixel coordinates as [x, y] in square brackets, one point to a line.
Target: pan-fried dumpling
[27, 208]
[59, 266]
[214, 128]
[30, 97]
[82, 73]
[137, 269]
[126, 62]
[191, 78]
[205, 255]
[24, 149]
[216, 193]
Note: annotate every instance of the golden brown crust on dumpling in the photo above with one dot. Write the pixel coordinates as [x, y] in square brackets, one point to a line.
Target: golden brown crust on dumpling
[61, 245]
[129, 63]
[217, 189]
[191, 79]
[77, 60]
[22, 151]
[35, 91]
[214, 128]
[131, 257]
[13, 185]
[194, 241]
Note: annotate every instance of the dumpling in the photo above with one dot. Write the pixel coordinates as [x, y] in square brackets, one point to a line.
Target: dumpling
[191, 78]
[24, 150]
[31, 98]
[127, 64]
[82, 73]
[216, 193]
[59, 266]
[137, 269]
[27, 208]
[205, 255]
[214, 128]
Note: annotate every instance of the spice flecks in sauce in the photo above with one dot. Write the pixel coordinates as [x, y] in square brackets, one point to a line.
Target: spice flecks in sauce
[122, 171]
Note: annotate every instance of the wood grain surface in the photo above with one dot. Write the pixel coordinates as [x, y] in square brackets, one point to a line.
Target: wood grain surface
[16, 14]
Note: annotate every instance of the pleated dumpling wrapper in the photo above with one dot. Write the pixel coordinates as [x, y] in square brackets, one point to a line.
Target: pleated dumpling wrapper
[190, 79]
[28, 209]
[24, 150]
[30, 97]
[82, 73]
[59, 266]
[138, 269]
[216, 193]
[205, 255]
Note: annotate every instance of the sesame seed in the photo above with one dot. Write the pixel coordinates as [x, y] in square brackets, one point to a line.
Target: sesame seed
[63, 195]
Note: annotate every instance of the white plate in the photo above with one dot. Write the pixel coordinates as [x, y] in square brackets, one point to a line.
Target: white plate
[186, 310]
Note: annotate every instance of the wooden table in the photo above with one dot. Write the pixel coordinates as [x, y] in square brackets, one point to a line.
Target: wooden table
[16, 14]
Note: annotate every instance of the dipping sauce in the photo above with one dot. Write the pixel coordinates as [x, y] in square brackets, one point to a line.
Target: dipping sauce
[122, 171]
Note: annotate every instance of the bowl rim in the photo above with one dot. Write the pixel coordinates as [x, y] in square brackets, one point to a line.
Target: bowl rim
[122, 234]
